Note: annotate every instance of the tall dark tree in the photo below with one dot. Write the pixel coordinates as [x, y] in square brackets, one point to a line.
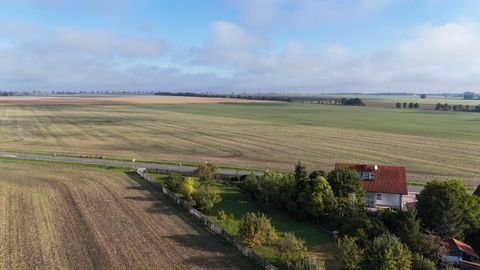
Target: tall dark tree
[300, 172]
[345, 182]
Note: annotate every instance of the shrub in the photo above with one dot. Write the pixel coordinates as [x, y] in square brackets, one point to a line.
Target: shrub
[256, 229]
[188, 188]
[387, 252]
[206, 197]
[309, 263]
[292, 249]
[349, 253]
[222, 216]
[421, 263]
[205, 171]
[174, 182]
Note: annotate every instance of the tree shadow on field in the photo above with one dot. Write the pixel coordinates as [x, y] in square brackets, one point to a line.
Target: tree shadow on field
[220, 262]
[160, 204]
[200, 240]
[141, 198]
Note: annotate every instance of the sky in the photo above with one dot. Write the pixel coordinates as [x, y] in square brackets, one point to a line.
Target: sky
[295, 46]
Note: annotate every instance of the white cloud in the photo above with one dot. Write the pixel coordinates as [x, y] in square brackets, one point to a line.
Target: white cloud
[436, 58]
[306, 11]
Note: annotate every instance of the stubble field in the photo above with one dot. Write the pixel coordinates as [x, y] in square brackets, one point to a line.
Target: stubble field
[429, 144]
[73, 217]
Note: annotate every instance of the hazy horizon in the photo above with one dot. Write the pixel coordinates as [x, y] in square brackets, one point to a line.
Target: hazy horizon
[291, 46]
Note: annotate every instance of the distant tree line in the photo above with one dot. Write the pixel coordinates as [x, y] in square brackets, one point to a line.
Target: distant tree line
[352, 102]
[273, 97]
[458, 108]
[404, 105]
[6, 93]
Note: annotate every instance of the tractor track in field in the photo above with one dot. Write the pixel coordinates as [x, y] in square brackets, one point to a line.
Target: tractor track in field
[91, 218]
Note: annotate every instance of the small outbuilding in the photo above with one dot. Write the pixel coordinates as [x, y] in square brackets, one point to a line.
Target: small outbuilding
[459, 251]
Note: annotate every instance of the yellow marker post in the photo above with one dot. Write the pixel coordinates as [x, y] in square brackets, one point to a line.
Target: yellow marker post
[133, 163]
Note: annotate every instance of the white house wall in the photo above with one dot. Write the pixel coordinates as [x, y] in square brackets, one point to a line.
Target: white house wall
[388, 200]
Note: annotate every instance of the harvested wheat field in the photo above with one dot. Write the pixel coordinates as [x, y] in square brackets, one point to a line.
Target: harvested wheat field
[429, 144]
[74, 217]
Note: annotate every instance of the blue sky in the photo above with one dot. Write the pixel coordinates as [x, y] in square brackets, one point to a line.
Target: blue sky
[241, 45]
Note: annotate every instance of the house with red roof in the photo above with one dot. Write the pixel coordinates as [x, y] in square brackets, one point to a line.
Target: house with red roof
[459, 252]
[384, 185]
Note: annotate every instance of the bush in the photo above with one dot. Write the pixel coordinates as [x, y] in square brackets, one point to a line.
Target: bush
[256, 229]
[309, 263]
[387, 252]
[292, 249]
[205, 171]
[206, 197]
[174, 182]
[222, 216]
[421, 263]
[251, 185]
[349, 253]
[188, 188]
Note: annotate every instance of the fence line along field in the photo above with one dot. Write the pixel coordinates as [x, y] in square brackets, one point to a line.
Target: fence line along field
[429, 144]
[72, 217]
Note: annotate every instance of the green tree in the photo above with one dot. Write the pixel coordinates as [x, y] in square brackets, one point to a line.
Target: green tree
[309, 263]
[387, 252]
[300, 172]
[174, 182]
[404, 105]
[256, 229]
[349, 253]
[447, 208]
[188, 188]
[416, 105]
[345, 182]
[277, 190]
[421, 263]
[251, 185]
[317, 173]
[407, 226]
[206, 172]
[206, 197]
[410, 105]
[423, 96]
[318, 195]
[291, 249]
[398, 105]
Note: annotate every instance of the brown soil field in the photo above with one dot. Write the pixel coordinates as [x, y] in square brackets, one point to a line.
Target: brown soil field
[116, 100]
[73, 217]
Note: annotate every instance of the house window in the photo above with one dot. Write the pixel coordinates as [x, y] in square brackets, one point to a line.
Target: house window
[379, 196]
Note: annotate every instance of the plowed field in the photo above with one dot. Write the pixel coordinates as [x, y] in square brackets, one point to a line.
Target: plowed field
[69, 217]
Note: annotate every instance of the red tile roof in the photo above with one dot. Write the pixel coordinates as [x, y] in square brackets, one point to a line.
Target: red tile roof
[387, 179]
[465, 248]
[477, 191]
